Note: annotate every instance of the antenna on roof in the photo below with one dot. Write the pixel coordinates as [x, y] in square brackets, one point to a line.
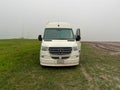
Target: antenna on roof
[58, 22]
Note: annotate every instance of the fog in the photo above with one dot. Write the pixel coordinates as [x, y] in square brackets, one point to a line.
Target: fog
[99, 20]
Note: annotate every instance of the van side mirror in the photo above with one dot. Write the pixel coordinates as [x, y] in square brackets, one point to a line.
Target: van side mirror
[78, 38]
[40, 37]
[78, 35]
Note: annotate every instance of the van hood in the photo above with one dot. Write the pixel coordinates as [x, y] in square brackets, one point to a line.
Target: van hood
[59, 43]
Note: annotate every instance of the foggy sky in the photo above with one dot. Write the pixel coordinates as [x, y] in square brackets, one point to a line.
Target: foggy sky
[97, 19]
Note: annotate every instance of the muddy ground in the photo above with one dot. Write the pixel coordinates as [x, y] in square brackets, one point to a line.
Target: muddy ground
[112, 47]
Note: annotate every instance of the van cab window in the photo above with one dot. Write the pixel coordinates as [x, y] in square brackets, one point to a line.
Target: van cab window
[58, 34]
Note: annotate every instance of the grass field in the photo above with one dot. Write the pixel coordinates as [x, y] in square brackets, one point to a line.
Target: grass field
[20, 69]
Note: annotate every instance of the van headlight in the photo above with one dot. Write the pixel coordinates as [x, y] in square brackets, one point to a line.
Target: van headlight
[44, 48]
[75, 48]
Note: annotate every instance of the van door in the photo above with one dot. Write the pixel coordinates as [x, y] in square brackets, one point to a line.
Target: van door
[78, 38]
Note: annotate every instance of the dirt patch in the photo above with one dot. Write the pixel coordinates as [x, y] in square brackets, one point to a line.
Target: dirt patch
[112, 47]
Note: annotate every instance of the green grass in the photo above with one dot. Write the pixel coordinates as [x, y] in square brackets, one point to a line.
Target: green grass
[20, 69]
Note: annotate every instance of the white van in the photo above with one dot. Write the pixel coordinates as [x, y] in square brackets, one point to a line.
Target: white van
[59, 47]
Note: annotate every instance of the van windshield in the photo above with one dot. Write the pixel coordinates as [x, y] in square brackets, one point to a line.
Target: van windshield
[58, 34]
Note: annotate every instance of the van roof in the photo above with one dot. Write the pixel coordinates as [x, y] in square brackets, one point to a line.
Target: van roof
[58, 25]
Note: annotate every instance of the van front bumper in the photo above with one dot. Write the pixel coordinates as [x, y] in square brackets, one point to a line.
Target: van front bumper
[54, 62]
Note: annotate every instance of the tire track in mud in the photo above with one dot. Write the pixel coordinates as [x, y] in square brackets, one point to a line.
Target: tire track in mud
[87, 76]
[90, 80]
[112, 47]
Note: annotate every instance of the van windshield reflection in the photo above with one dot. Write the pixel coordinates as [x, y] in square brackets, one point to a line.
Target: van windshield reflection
[58, 34]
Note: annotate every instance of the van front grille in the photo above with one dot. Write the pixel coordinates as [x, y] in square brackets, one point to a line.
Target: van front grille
[60, 50]
[60, 57]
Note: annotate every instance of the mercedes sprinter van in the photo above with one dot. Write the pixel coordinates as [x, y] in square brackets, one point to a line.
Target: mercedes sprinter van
[59, 45]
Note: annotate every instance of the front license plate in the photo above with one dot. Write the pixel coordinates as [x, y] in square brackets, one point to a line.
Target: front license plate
[60, 61]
